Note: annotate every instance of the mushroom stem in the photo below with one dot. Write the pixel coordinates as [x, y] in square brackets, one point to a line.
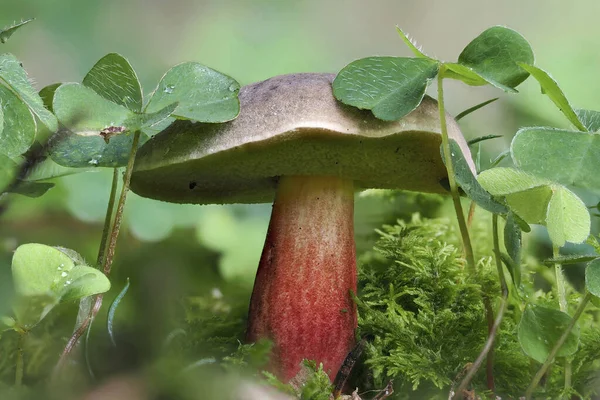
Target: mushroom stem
[301, 298]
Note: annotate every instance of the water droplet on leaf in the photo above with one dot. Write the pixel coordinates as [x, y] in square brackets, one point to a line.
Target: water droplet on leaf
[169, 89]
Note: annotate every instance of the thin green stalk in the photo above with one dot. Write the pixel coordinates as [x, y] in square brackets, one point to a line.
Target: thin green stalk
[20, 364]
[489, 362]
[86, 350]
[502, 309]
[106, 259]
[471, 214]
[568, 373]
[464, 232]
[110, 252]
[108, 218]
[560, 281]
[557, 346]
[74, 339]
[498, 256]
[101, 251]
[562, 302]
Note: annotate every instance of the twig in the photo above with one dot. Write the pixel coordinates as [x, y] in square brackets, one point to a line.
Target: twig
[346, 368]
[75, 337]
[387, 391]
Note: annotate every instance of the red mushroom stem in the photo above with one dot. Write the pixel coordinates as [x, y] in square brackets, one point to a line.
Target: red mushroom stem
[301, 298]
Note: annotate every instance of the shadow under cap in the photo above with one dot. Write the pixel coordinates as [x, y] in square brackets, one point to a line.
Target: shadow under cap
[293, 125]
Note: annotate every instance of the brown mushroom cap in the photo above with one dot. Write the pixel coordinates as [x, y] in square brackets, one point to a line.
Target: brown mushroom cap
[292, 125]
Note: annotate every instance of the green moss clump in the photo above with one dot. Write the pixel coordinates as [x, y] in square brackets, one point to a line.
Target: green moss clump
[311, 383]
[419, 306]
[214, 324]
[424, 316]
[317, 386]
[251, 356]
[586, 362]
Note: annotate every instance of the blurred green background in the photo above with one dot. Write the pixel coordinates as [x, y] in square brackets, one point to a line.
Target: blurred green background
[172, 251]
[252, 41]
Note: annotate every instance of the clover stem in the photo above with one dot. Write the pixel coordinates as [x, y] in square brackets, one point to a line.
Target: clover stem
[108, 218]
[489, 361]
[110, 252]
[301, 298]
[471, 214]
[568, 372]
[560, 281]
[464, 231]
[108, 258]
[100, 259]
[20, 365]
[538, 376]
[562, 301]
[501, 310]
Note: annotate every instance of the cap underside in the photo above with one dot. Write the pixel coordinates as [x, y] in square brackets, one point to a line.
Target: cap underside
[249, 173]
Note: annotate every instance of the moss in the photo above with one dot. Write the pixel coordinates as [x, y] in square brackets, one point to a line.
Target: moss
[252, 356]
[311, 383]
[425, 318]
[422, 313]
[317, 386]
[419, 306]
[214, 325]
[41, 348]
[586, 363]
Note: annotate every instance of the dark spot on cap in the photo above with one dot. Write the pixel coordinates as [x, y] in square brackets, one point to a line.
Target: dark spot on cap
[192, 185]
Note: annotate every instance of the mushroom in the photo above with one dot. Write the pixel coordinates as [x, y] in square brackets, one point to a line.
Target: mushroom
[294, 143]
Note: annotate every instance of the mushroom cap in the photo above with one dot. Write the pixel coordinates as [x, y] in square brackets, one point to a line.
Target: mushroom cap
[292, 125]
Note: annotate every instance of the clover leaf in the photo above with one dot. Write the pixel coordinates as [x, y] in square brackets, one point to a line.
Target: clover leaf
[45, 276]
[391, 87]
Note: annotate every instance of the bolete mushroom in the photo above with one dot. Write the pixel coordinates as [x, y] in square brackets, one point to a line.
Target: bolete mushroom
[294, 143]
